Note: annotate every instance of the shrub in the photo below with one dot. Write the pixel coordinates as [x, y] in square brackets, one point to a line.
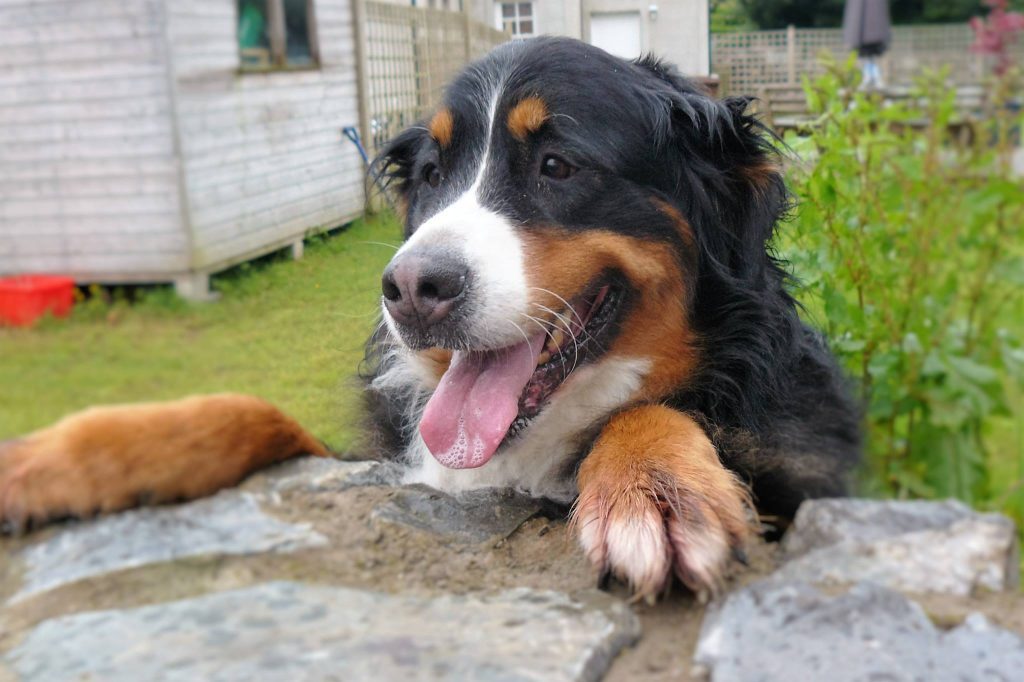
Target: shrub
[907, 245]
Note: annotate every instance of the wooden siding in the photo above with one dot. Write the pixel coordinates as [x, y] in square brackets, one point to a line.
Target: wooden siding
[264, 157]
[88, 177]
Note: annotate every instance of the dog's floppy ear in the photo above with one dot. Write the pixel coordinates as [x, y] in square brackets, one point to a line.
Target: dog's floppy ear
[749, 171]
[392, 169]
[724, 170]
[757, 158]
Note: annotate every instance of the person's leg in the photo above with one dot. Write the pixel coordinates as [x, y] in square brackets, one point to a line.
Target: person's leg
[865, 73]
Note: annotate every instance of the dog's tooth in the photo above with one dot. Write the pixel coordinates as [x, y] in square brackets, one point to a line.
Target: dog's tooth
[557, 337]
[544, 357]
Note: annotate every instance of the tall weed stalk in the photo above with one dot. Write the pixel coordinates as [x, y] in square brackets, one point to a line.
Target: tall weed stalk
[907, 245]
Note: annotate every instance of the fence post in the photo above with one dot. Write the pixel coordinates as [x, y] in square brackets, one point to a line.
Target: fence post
[363, 91]
[791, 54]
[420, 72]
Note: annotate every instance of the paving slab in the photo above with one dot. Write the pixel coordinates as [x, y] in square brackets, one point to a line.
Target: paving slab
[291, 632]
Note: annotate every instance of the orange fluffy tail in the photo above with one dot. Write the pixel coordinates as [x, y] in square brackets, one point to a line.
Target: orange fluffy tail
[106, 459]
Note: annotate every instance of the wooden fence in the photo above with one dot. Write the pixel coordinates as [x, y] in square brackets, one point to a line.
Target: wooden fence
[747, 61]
[406, 56]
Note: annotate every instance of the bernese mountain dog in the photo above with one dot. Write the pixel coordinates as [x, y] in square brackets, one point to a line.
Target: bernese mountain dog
[586, 308]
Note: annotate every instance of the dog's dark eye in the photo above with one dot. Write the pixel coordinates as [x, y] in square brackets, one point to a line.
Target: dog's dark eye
[556, 168]
[432, 175]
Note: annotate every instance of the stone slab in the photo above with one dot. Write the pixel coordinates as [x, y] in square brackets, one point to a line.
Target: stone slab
[321, 474]
[777, 631]
[231, 522]
[477, 516]
[293, 632]
[911, 546]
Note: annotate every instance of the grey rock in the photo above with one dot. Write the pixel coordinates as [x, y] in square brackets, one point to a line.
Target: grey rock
[473, 517]
[287, 631]
[774, 630]
[321, 474]
[912, 546]
[825, 522]
[231, 522]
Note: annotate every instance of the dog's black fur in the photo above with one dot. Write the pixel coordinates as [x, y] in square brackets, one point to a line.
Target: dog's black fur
[768, 392]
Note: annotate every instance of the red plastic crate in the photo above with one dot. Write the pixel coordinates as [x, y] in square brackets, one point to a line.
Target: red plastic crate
[26, 298]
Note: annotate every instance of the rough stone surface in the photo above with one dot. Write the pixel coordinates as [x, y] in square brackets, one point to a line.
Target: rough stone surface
[231, 522]
[287, 631]
[774, 630]
[940, 547]
[477, 516]
[321, 474]
[400, 582]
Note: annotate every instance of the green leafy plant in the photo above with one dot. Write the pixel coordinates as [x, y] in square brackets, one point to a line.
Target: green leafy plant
[907, 243]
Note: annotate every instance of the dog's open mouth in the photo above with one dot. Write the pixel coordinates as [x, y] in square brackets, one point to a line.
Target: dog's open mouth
[579, 336]
[488, 397]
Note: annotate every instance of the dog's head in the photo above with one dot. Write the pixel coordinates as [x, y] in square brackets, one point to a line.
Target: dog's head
[569, 214]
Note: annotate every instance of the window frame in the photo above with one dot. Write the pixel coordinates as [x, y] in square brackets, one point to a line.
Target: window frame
[517, 18]
[278, 51]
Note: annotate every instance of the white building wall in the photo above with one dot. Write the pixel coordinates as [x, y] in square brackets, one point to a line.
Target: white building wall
[88, 177]
[264, 157]
[677, 31]
[558, 17]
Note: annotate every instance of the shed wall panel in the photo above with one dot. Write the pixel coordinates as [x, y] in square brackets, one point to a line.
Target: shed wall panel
[264, 157]
[89, 183]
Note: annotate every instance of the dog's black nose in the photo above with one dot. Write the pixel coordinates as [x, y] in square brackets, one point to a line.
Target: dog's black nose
[422, 288]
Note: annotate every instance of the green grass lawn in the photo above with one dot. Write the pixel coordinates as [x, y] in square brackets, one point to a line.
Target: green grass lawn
[290, 332]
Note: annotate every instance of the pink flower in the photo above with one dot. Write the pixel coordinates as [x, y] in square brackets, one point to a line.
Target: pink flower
[995, 34]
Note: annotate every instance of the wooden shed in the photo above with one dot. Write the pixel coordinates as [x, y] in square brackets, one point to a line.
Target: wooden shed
[164, 140]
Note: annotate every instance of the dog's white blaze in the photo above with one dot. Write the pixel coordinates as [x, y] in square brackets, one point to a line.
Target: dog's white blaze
[494, 253]
[536, 462]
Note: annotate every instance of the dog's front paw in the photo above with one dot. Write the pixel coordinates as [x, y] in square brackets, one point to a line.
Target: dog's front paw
[657, 503]
[645, 533]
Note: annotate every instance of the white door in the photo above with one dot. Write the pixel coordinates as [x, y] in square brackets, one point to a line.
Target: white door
[616, 32]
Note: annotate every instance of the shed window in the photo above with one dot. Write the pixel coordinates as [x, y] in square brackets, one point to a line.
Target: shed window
[515, 18]
[276, 34]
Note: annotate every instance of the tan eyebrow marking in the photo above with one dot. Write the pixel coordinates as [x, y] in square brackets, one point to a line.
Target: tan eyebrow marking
[441, 127]
[527, 117]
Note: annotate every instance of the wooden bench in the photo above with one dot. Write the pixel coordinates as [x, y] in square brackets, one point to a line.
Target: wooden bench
[783, 106]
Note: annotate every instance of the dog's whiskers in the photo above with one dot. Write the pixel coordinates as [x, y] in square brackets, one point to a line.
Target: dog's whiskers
[568, 305]
[541, 323]
[394, 247]
[568, 329]
[520, 330]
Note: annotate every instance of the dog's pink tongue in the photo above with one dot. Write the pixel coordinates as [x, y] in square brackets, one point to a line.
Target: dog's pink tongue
[476, 402]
